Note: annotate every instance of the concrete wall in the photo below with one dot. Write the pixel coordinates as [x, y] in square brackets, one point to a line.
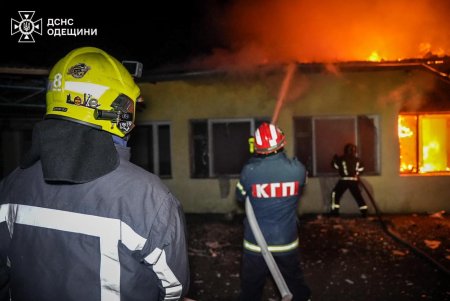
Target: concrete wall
[315, 94]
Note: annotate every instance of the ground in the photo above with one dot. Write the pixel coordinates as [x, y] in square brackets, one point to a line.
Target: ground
[344, 258]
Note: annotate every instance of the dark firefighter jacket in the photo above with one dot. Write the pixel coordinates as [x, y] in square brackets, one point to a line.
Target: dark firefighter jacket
[273, 184]
[349, 167]
[119, 237]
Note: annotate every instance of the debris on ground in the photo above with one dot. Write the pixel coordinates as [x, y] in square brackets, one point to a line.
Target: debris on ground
[341, 256]
[432, 244]
[438, 214]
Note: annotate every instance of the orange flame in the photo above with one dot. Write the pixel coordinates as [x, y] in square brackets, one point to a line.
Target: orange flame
[374, 57]
[427, 152]
[335, 30]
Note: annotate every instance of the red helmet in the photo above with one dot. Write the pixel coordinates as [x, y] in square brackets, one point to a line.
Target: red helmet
[268, 139]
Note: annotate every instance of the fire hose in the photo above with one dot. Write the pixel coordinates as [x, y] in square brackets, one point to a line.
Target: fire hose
[268, 257]
[396, 236]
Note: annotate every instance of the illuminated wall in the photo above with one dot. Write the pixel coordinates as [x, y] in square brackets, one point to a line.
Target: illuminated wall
[380, 93]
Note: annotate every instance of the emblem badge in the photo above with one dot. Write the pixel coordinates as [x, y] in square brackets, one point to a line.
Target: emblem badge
[79, 70]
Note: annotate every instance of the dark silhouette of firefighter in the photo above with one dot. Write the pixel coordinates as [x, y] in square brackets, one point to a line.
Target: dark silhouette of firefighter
[349, 167]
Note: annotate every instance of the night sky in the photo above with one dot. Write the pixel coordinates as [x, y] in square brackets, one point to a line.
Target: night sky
[165, 34]
[240, 33]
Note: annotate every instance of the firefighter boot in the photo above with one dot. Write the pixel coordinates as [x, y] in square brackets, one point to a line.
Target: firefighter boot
[334, 212]
[363, 213]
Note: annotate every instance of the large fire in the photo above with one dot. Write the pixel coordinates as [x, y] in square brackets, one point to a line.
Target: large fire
[336, 30]
[424, 143]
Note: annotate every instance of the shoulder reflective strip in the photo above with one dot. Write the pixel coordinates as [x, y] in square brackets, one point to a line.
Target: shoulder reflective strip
[350, 178]
[277, 248]
[241, 188]
[344, 166]
[169, 281]
[363, 207]
[3, 213]
[109, 230]
[3, 210]
[95, 90]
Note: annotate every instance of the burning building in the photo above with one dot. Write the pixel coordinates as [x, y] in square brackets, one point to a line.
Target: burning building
[375, 74]
[197, 127]
[327, 73]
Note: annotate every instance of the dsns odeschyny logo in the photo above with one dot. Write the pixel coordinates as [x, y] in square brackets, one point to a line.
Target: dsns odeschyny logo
[26, 26]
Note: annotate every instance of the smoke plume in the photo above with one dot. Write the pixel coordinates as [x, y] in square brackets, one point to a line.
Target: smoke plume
[256, 32]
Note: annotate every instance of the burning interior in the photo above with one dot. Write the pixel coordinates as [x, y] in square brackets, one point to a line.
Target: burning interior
[424, 141]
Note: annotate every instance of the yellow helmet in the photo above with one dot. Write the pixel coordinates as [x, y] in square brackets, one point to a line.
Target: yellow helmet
[91, 87]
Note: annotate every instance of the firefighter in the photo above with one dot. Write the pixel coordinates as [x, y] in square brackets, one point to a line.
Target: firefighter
[273, 183]
[78, 221]
[349, 167]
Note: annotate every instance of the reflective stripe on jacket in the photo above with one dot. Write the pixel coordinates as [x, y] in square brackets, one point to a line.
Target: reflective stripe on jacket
[349, 167]
[280, 248]
[120, 237]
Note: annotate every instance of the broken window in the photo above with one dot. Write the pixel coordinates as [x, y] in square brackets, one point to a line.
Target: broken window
[424, 141]
[219, 147]
[318, 139]
[151, 149]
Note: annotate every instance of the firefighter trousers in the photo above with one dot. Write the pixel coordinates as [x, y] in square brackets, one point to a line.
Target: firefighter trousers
[341, 187]
[254, 273]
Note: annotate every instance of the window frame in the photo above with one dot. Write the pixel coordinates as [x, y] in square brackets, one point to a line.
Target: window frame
[155, 145]
[211, 173]
[211, 122]
[418, 152]
[354, 118]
